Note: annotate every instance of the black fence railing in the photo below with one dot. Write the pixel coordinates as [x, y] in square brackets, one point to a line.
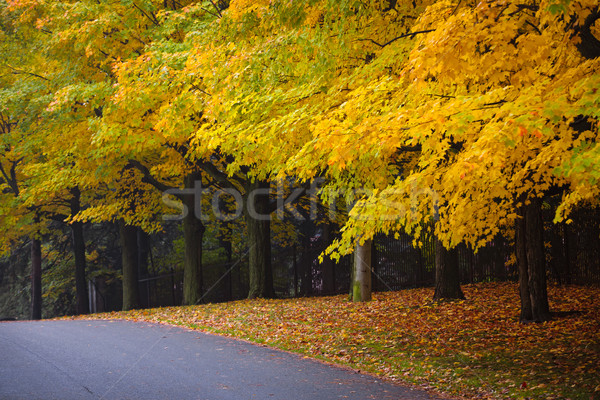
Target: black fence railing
[573, 256]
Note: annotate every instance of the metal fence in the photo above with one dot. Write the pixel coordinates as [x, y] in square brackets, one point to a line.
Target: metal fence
[573, 256]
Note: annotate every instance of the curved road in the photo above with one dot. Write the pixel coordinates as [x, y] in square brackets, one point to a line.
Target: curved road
[128, 360]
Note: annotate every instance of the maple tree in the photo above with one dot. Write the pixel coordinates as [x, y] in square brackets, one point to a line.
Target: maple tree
[172, 107]
[273, 70]
[487, 108]
[76, 32]
[19, 80]
[450, 120]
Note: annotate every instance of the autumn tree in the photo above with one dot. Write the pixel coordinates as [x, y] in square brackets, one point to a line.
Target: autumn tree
[170, 107]
[274, 82]
[449, 120]
[490, 100]
[20, 81]
[99, 35]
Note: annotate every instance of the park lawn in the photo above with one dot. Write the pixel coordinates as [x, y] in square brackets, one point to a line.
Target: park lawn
[474, 348]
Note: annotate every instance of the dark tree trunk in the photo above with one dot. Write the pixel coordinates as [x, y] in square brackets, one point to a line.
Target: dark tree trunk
[80, 266]
[36, 279]
[193, 233]
[129, 257]
[81, 293]
[531, 262]
[447, 276]
[536, 261]
[258, 223]
[588, 45]
[521, 256]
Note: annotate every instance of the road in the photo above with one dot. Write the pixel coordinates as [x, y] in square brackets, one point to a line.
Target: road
[133, 360]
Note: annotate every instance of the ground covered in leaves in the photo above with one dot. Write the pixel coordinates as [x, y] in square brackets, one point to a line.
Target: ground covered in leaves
[472, 348]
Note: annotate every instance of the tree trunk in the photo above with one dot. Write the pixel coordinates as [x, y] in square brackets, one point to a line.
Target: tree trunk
[258, 224]
[80, 266]
[521, 256]
[536, 261]
[129, 257]
[81, 294]
[36, 279]
[193, 234]
[531, 262]
[361, 278]
[447, 276]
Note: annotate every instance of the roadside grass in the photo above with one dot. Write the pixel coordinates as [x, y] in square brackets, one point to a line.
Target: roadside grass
[473, 349]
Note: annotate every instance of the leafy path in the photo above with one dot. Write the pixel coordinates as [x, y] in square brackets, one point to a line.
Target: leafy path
[470, 348]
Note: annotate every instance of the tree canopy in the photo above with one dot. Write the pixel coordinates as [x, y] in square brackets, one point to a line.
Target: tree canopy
[431, 110]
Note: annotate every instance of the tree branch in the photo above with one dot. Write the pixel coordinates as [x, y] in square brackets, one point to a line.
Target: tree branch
[216, 8]
[150, 16]
[589, 45]
[210, 12]
[54, 216]
[410, 34]
[17, 71]
[11, 180]
[148, 178]
[215, 173]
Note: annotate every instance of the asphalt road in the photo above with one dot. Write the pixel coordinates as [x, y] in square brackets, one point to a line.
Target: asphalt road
[128, 360]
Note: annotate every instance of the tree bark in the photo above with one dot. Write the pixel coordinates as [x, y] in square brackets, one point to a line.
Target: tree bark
[531, 261]
[193, 234]
[447, 276]
[536, 261]
[361, 278]
[129, 257]
[258, 224]
[81, 293]
[36, 279]
[588, 45]
[521, 256]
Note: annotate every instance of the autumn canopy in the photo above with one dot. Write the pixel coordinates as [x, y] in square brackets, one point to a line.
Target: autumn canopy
[445, 118]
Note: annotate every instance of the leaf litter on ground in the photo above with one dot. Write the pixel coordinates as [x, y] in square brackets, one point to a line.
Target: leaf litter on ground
[474, 348]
